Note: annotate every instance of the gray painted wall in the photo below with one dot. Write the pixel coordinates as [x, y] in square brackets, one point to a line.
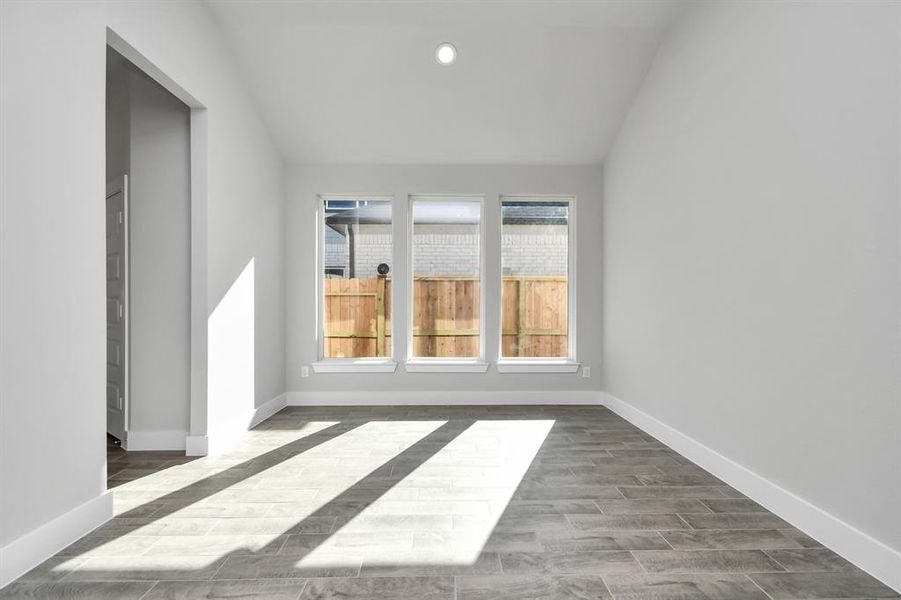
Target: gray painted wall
[118, 125]
[160, 258]
[52, 267]
[305, 182]
[751, 255]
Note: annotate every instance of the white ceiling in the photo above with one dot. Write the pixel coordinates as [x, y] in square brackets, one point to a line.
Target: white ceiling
[535, 82]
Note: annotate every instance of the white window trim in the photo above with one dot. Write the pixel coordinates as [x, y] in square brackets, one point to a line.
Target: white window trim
[354, 365]
[445, 365]
[536, 365]
[387, 364]
[513, 364]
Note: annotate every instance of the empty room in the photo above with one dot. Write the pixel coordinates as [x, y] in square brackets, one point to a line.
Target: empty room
[450, 299]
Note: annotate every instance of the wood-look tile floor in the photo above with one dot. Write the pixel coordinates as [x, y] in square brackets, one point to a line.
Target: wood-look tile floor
[441, 503]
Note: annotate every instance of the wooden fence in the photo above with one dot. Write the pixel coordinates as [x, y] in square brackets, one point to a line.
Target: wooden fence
[446, 317]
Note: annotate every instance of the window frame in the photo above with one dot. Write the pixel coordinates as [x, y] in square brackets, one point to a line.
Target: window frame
[428, 364]
[323, 364]
[515, 364]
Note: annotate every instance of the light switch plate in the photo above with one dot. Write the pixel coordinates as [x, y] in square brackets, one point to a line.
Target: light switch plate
[305, 371]
[586, 372]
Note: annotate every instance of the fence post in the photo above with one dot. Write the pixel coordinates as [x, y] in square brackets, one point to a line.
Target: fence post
[521, 317]
[380, 316]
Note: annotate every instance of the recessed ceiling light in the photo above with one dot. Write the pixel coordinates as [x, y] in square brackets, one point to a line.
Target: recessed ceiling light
[446, 54]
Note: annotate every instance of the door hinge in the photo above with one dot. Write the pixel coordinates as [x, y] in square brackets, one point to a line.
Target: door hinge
[121, 311]
[120, 217]
[120, 402]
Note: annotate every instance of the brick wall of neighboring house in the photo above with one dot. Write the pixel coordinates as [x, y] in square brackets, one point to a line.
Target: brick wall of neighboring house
[335, 249]
[534, 250]
[444, 250]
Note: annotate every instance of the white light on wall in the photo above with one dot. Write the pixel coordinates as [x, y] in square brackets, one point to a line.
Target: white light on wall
[446, 54]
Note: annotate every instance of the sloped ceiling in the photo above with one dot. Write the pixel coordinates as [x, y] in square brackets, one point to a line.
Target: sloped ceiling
[356, 81]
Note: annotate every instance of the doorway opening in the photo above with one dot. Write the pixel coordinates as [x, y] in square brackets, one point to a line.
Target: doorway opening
[148, 262]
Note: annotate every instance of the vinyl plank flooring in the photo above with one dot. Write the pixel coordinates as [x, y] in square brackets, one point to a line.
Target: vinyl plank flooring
[438, 503]
[552, 522]
[420, 565]
[254, 589]
[810, 559]
[53, 569]
[735, 521]
[677, 479]
[799, 537]
[749, 539]
[532, 587]
[791, 586]
[394, 588]
[284, 567]
[273, 525]
[217, 545]
[684, 587]
[120, 526]
[514, 541]
[568, 563]
[96, 590]
[587, 541]
[523, 508]
[499, 541]
[567, 492]
[102, 545]
[732, 505]
[673, 491]
[145, 568]
[706, 561]
[652, 506]
[625, 522]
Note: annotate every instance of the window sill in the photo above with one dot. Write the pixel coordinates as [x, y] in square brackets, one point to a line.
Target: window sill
[446, 366]
[537, 366]
[354, 366]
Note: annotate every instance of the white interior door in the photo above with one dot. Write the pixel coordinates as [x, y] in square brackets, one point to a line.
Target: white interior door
[117, 307]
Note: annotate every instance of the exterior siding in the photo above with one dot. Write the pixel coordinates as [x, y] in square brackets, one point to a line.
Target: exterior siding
[527, 250]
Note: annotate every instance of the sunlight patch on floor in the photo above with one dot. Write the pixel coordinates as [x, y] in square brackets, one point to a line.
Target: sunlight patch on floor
[445, 510]
[245, 500]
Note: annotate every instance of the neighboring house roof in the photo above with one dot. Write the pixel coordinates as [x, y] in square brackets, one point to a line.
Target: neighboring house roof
[526, 213]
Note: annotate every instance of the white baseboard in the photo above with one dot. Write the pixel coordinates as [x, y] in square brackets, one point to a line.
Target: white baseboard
[23, 554]
[871, 555]
[223, 435]
[442, 398]
[197, 445]
[267, 409]
[155, 440]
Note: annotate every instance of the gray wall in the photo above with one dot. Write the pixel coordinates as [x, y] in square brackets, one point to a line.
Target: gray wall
[52, 268]
[118, 123]
[304, 183]
[751, 256]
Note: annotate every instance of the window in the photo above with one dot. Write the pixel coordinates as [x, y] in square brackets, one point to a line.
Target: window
[355, 268]
[536, 292]
[446, 267]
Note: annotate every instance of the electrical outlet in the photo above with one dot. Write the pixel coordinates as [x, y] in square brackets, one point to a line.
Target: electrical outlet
[586, 372]
[305, 371]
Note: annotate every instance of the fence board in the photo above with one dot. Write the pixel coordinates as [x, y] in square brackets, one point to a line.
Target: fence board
[446, 317]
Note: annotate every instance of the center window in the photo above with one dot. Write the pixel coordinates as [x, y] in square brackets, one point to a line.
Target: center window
[447, 269]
